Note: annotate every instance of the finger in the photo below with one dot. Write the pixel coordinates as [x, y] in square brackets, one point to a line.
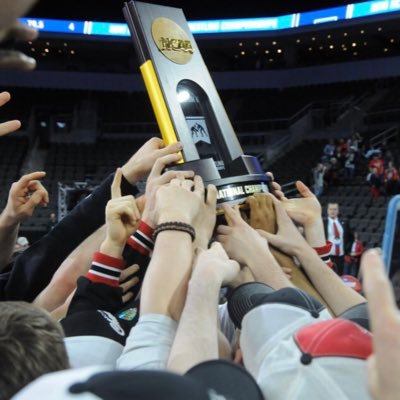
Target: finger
[212, 196]
[276, 186]
[116, 184]
[281, 214]
[232, 216]
[127, 297]
[171, 148]
[162, 162]
[304, 190]
[141, 203]
[199, 186]
[22, 32]
[224, 230]
[129, 271]
[5, 97]
[9, 126]
[37, 186]
[252, 202]
[287, 270]
[176, 182]
[381, 301]
[129, 284]
[36, 198]
[271, 238]
[24, 180]
[270, 174]
[187, 184]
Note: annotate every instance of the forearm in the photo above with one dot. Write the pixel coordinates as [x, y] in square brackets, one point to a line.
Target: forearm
[315, 233]
[165, 284]
[75, 265]
[196, 340]
[8, 237]
[266, 269]
[335, 292]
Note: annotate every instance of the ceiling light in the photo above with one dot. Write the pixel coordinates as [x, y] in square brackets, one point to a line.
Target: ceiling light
[391, 40]
[46, 50]
[242, 53]
[345, 34]
[279, 51]
[298, 41]
[331, 46]
[354, 44]
[271, 60]
[266, 51]
[329, 36]
[33, 49]
[310, 49]
[379, 29]
[355, 54]
[257, 43]
[385, 49]
[313, 39]
[362, 32]
[274, 43]
[72, 51]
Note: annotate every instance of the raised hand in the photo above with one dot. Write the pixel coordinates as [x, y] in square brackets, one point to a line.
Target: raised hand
[384, 364]
[9, 126]
[156, 179]
[141, 163]
[128, 280]
[122, 216]
[180, 200]
[304, 210]
[24, 196]
[204, 223]
[217, 264]
[239, 239]
[287, 238]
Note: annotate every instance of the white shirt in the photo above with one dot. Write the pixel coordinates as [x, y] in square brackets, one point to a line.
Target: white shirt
[331, 236]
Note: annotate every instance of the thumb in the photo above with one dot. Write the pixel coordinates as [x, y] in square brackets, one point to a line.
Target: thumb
[304, 190]
[271, 238]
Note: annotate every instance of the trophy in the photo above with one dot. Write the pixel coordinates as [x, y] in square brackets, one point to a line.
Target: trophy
[186, 103]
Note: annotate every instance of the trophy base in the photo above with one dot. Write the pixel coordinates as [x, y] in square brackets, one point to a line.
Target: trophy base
[246, 178]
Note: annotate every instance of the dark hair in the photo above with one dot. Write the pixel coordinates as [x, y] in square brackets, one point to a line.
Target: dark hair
[31, 344]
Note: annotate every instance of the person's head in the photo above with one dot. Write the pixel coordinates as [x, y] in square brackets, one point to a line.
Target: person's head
[52, 216]
[31, 344]
[333, 210]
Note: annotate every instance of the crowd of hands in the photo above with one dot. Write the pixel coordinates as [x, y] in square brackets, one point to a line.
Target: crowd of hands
[246, 247]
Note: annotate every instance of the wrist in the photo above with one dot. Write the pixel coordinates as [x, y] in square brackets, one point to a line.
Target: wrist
[173, 216]
[112, 248]
[132, 175]
[314, 232]
[7, 221]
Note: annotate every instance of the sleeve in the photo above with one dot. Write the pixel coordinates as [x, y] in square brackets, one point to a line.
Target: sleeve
[34, 268]
[99, 288]
[138, 250]
[323, 252]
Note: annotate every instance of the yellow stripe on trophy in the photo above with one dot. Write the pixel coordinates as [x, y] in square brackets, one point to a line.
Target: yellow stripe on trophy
[157, 101]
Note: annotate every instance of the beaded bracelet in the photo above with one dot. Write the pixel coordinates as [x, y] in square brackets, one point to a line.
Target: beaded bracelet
[175, 226]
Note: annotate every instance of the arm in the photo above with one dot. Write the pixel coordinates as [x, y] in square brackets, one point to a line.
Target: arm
[24, 196]
[34, 268]
[335, 292]
[170, 267]
[384, 364]
[245, 245]
[99, 289]
[196, 339]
